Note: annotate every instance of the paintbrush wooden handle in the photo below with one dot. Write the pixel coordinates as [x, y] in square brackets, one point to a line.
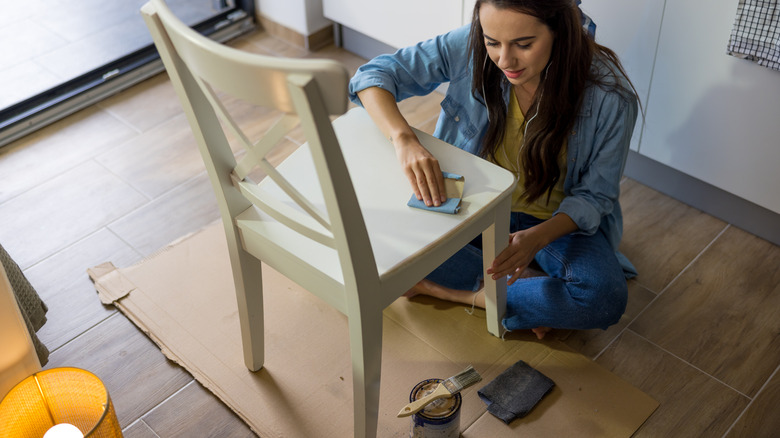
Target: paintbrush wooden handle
[441, 391]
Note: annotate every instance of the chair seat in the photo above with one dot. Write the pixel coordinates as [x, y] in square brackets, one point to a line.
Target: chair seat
[398, 233]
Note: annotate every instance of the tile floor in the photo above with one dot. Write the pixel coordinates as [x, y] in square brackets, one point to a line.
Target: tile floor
[44, 43]
[117, 181]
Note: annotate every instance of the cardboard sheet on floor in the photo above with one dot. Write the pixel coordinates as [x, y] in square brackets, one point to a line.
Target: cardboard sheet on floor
[182, 297]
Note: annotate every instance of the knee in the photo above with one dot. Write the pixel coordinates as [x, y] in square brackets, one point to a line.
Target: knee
[608, 305]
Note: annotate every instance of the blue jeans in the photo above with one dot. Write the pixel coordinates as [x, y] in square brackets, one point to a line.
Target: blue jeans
[586, 287]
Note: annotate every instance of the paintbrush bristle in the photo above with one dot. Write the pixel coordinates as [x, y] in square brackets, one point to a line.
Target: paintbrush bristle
[462, 380]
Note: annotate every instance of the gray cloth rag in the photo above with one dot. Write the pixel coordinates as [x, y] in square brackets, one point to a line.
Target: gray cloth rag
[32, 308]
[515, 392]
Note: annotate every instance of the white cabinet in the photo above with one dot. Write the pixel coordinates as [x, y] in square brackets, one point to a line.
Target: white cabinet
[399, 23]
[708, 115]
[711, 115]
[630, 28]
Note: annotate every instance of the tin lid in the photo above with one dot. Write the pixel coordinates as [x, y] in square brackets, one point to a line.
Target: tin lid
[441, 408]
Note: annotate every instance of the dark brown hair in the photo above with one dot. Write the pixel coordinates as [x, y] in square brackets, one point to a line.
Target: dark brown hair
[562, 85]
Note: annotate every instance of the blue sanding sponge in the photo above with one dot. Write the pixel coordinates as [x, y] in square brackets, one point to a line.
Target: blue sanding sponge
[454, 189]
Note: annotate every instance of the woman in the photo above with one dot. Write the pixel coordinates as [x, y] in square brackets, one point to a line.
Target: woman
[532, 92]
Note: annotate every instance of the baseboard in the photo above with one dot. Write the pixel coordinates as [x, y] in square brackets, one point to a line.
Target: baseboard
[313, 42]
[712, 200]
[360, 44]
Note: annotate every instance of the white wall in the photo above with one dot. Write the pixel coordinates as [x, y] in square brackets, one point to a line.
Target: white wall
[302, 16]
[709, 115]
[397, 23]
[633, 38]
[314, 16]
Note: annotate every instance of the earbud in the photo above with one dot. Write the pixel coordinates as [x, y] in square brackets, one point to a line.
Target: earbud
[484, 95]
[528, 122]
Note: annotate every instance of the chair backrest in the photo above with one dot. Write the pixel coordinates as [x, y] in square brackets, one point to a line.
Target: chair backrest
[305, 90]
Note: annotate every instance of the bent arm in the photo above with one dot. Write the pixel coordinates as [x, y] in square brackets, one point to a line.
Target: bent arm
[420, 166]
[412, 71]
[381, 106]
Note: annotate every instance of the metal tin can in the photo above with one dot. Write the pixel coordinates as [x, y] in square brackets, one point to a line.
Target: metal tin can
[440, 419]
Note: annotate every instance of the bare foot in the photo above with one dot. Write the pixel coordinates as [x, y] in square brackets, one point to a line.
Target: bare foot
[427, 287]
[417, 289]
[541, 331]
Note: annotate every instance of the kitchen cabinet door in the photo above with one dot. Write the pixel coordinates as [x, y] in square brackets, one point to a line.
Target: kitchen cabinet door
[398, 23]
[631, 29]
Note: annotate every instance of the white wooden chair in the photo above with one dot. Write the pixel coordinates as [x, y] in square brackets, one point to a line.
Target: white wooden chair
[332, 216]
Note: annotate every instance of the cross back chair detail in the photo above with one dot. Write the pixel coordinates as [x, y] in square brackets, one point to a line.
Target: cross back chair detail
[332, 216]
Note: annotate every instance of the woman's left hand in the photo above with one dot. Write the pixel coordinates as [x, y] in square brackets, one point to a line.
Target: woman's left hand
[522, 248]
[524, 244]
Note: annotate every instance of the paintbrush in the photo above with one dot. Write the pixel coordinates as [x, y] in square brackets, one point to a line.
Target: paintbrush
[447, 388]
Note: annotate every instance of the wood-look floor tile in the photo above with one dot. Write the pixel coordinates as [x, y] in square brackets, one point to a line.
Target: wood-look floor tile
[721, 315]
[139, 429]
[591, 342]
[661, 236]
[81, 56]
[145, 105]
[692, 404]
[194, 411]
[24, 80]
[351, 61]
[63, 284]
[296, 135]
[265, 42]
[761, 418]
[275, 156]
[253, 120]
[57, 148]
[78, 21]
[428, 127]
[248, 43]
[63, 210]
[158, 160]
[137, 375]
[67, 269]
[30, 39]
[16, 12]
[183, 210]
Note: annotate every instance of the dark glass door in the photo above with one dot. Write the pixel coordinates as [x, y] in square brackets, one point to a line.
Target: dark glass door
[58, 56]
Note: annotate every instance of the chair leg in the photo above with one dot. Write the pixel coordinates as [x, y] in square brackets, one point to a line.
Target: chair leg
[494, 240]
[365, 336]
[248, 279]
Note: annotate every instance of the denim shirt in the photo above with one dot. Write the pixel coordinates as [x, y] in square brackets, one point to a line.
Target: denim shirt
[597, 146]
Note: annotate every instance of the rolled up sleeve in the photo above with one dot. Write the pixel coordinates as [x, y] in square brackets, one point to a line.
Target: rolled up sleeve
[412, 71]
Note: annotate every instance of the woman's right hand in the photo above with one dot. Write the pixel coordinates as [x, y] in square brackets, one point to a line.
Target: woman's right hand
[420, 166]
[421, 169]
